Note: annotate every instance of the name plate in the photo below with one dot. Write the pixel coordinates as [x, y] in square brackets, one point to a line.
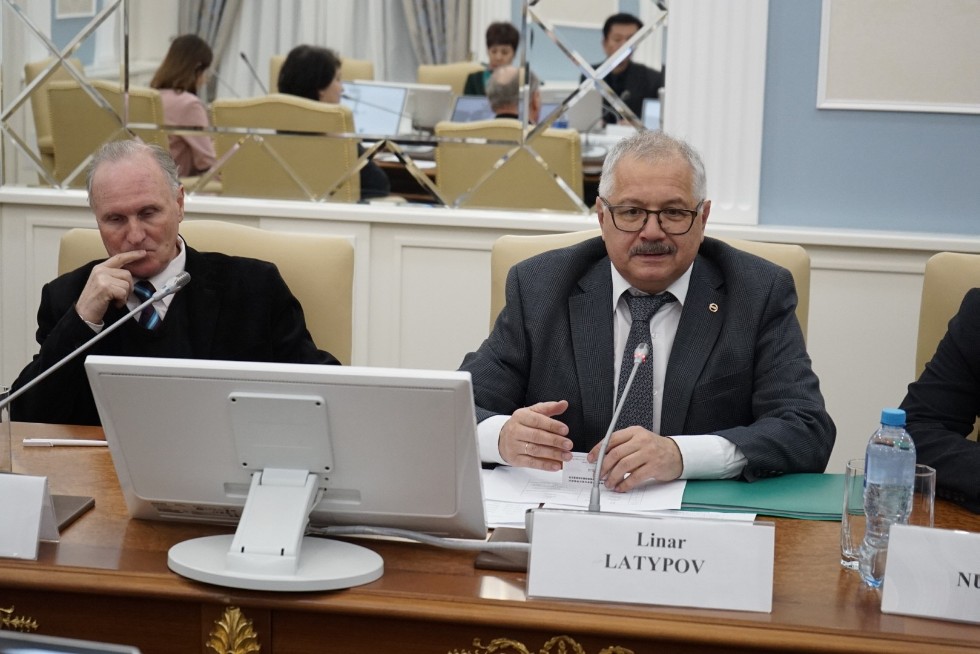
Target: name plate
[932, 573]
[651, 560]
[26, 515]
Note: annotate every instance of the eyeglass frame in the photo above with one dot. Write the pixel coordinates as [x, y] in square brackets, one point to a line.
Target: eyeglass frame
[693, 213]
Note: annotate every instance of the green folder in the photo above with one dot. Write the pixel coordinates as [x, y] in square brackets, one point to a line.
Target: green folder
[806, 496]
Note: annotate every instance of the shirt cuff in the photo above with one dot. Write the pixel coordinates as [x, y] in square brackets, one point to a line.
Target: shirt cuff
[488, 434]
[709, 457]
[97, 328]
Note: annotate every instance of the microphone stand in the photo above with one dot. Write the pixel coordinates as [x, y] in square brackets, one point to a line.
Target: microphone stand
[255, 75]
[172, 286]
[639, 356]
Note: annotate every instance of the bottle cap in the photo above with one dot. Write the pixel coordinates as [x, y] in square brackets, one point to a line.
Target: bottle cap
[893, 417]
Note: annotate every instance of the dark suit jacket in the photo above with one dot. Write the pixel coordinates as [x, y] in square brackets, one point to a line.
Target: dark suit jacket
[237, 309]
[943, 404]
[636, 83]
[741, 371]
[476, 83]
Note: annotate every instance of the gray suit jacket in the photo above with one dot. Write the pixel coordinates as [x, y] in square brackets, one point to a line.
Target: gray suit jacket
[741, 372]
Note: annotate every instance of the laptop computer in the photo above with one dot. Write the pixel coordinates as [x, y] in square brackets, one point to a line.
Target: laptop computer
[377, 109]
[471, 107]
[12, 642]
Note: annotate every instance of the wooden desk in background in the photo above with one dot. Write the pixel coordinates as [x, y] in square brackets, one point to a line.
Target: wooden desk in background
[108, 580]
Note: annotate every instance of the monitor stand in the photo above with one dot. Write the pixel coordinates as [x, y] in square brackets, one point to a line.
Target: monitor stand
[268, 550]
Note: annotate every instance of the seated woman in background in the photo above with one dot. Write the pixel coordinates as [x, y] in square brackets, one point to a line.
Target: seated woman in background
[502, 40]
[314, 73]
[183, 71]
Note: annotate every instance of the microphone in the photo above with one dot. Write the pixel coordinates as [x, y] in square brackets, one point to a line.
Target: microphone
[608, 110]
[173, 285]
[639, 356]
[255, 75]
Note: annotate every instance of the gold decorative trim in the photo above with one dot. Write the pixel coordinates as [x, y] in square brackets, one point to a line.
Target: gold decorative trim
[233, 633]
[556, 645]
[12, 622]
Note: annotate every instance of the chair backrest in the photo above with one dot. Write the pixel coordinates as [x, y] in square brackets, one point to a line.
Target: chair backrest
[512, 249]
[948, 276]
[521, 182]
[79, 125]
[280, 165]
[351, 69]
[319, 269]
[39, 102]
[454, 74]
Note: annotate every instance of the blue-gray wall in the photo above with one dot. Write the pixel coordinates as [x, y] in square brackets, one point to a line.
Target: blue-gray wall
[857, 169]
[65, 29]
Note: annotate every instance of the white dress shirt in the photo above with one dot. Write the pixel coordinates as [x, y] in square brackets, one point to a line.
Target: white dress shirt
[174, 268]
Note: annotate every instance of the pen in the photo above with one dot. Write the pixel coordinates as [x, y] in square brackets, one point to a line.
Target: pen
[56, 442]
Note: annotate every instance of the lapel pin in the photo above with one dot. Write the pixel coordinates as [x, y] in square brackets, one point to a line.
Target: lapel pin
[713, 308]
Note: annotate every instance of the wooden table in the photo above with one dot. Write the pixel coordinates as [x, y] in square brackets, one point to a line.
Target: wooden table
[108, 580]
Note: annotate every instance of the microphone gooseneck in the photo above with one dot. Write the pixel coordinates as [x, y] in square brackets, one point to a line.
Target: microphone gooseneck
[255, 76]
[639, 356]
[172, 285]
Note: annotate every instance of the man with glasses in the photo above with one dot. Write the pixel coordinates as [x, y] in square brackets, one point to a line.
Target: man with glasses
[729, 390]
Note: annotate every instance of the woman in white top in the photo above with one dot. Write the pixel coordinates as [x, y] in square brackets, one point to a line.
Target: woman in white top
[183, 71]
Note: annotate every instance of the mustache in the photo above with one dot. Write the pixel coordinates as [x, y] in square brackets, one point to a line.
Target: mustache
[653, 247]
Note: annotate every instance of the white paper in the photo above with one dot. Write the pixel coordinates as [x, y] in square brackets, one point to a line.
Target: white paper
[524, 485]
[506, 514]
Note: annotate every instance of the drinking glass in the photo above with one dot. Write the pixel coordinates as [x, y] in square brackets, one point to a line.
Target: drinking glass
[923, 496]
[5, 437]
[852, 514]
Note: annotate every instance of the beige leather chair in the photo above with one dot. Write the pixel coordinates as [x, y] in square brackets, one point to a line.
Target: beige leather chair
[351, 70]
[318, 268]
[512, 249]
[288, 166]
[79, 125]
[948, 276]
[39, 102]
[521, 182]
[454, 74]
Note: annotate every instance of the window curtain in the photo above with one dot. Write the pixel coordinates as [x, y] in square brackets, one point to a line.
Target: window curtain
[212, 20]
[358, 29]
[439, 29]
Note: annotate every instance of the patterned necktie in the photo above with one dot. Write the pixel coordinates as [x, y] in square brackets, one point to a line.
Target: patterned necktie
[149, 318]
[638, 408]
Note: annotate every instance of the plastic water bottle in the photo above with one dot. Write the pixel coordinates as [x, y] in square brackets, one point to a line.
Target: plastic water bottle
[889, 476]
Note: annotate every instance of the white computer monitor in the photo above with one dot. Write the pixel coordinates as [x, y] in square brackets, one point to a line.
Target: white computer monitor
[425, 104]
[584, 116]
[378, 110]
[469, 108]
[651, 113]
[192, 439]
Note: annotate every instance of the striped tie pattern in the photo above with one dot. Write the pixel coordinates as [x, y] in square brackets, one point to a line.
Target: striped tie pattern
[149, 318]
[638, 408]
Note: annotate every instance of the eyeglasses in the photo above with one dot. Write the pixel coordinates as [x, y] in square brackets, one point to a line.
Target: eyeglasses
[675, 222]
